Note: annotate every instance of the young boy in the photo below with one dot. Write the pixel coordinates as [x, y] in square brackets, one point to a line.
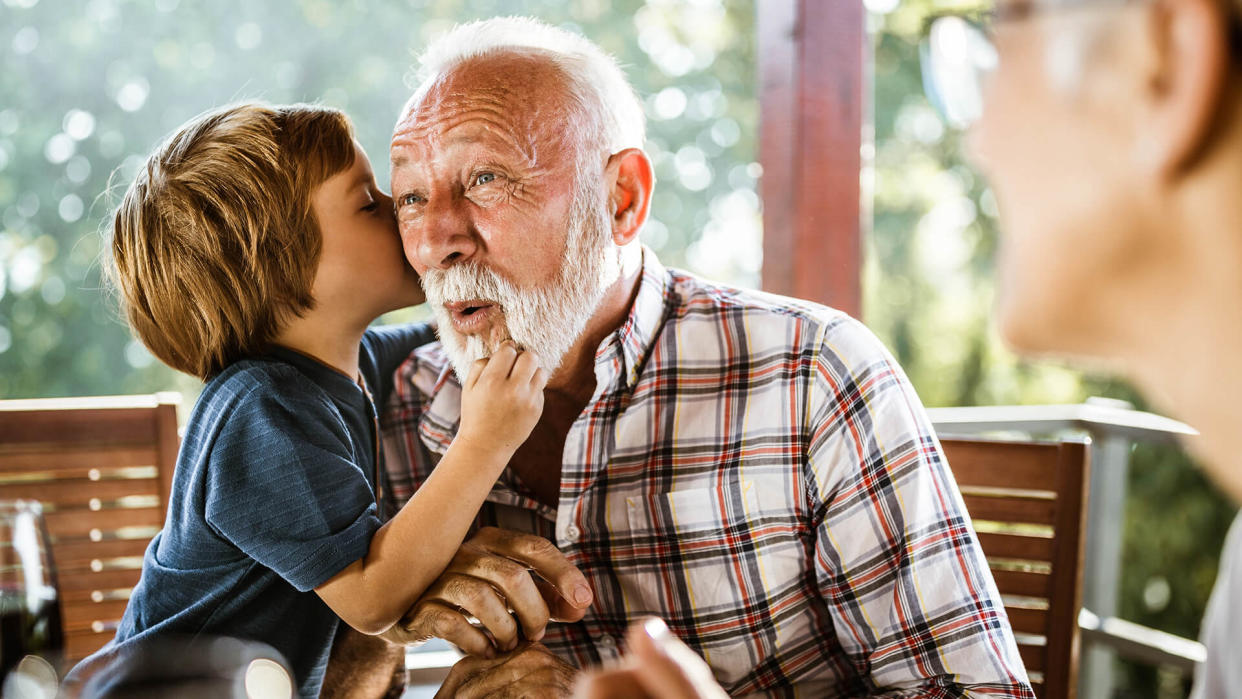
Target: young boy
[253, 252]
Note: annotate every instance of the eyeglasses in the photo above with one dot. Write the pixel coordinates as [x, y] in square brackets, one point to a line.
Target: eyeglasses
[957, 55]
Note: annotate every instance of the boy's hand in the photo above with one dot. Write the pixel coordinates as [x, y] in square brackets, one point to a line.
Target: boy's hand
[502, 399]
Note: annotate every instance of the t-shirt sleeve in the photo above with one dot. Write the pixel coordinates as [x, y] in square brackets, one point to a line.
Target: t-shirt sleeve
[386, 347]
[1221, 672]
[285, 488]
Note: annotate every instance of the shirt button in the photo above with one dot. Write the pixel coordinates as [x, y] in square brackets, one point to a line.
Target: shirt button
[573, 533]
[608, 642]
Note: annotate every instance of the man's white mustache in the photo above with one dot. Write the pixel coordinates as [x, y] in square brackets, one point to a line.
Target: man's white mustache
[466, 282]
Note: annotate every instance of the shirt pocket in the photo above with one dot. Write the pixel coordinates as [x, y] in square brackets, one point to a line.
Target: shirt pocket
[705, 573]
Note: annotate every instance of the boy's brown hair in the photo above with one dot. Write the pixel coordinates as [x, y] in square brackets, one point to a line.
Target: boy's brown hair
[215, 244]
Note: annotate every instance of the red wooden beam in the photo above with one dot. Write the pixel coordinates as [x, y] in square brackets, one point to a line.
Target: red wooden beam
[812, 70]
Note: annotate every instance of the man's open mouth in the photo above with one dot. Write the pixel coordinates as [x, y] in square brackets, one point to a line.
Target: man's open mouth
[471, 316]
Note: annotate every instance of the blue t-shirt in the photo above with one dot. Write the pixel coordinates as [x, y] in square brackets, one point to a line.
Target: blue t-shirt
[274, 493]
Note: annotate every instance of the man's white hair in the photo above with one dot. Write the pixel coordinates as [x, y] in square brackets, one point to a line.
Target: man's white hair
[597, 83]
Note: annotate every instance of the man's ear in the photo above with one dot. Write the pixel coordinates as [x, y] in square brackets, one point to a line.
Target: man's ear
[631, 180]
[1187, 76]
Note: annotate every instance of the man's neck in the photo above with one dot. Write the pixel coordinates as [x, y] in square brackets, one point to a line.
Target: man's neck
[575, 379]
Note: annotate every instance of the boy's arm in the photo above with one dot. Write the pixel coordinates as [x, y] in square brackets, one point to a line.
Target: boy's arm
[501, 401]
[408, 553]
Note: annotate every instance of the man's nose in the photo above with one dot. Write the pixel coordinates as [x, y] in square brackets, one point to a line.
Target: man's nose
[446, 235]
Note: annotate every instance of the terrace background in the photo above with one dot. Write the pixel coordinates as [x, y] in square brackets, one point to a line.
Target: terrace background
[90, 86]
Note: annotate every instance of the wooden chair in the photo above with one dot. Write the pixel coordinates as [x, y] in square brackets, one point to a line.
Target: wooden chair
[1028, 504]
[102, 467]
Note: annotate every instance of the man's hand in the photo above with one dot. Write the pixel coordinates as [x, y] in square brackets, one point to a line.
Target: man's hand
[658, 666]
[363, 666]
[491, 574]
[529, 671]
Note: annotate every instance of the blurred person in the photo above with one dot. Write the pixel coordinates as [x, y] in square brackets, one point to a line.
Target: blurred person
[755, 469]
[252, 251]
[1110, 134]
[182, 666]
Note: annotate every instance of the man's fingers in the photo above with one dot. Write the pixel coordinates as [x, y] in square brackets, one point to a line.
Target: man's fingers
[437, 620]
[529, 672]
[559, 609]
[489, 683]
[519, 589]
[476, 370]
[462, 672]
[541, 556]
[479, 599]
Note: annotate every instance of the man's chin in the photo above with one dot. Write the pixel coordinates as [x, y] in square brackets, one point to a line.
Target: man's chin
[464, 350]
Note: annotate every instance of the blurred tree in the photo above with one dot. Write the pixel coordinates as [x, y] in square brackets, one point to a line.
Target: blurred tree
[91, 86]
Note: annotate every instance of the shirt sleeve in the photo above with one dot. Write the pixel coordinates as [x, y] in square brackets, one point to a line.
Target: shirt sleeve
[897, 562]
[1221, 673]
[285, 488]
[388, 346]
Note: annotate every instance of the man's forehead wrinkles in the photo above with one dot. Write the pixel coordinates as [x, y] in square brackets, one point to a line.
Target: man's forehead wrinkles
[468, 122]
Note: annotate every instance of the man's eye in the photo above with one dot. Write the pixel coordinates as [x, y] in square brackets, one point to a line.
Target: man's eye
[484, 178]
[408, 199]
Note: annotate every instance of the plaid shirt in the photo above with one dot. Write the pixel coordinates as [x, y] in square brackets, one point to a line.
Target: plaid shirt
[757, 471]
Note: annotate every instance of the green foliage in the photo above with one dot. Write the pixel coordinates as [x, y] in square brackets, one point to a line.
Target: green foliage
[91, 86]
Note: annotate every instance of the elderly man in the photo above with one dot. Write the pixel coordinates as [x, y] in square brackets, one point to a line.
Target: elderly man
[1110, 134]
[754, 469]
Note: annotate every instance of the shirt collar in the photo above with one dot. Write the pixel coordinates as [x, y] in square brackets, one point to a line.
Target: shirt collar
[638, 333]
[634, 339]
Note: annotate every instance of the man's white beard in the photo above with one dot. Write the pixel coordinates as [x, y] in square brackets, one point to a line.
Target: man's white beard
[546, 319]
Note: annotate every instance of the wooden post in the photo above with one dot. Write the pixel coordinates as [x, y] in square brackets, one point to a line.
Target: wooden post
[812, 71]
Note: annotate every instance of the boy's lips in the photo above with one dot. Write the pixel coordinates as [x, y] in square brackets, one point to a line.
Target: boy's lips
[471, 317]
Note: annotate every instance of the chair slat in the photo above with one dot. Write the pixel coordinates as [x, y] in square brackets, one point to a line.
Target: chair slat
[64, 427]
[1022, 466]
[1024, 510]
[80, 617]
[95, 565]
[1032, 621]
[1034, 657]
[68, 554]
[89, 457]
[1017, 546]
[1026, 584]
[80, 491]
[70, 598]
[104, 580]
[80, 644]
[80, 522]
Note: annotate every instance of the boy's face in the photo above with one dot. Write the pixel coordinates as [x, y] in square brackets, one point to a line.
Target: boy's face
[362, 268]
